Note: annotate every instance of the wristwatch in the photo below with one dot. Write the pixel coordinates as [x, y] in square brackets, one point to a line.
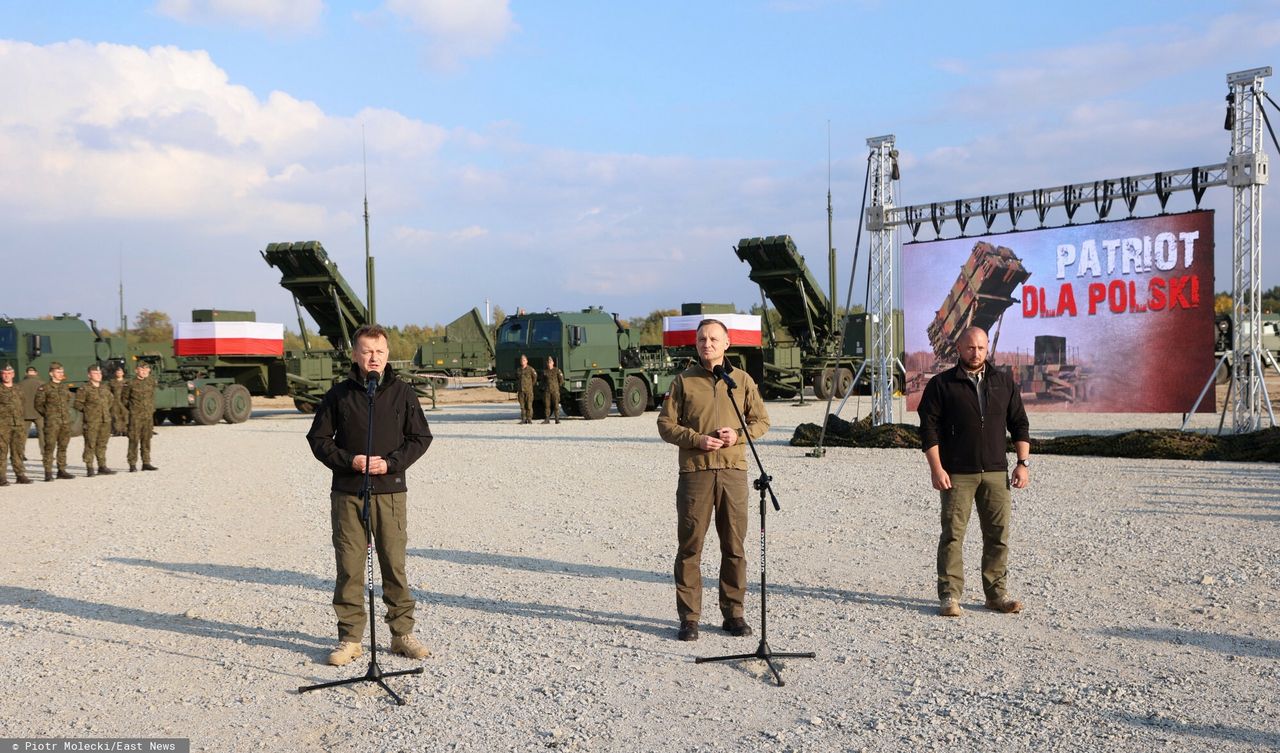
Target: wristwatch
[1025, 462]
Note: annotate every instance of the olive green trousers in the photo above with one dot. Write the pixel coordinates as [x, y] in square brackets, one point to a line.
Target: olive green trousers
[700, 496]
[990, 491]
[390, 537]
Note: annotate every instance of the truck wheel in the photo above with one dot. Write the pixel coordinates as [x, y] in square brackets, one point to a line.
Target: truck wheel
[846, 381]
[239, 403]
[824, 384]
[594, 403]
[208, 407]
[635, 397]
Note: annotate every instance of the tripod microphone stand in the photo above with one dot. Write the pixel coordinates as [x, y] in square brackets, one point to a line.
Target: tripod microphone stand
[762, 484]
[374, 673]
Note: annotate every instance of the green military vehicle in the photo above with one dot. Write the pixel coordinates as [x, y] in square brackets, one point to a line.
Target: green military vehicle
[601, 364]
[184, 393]
[465, 350]
[815, 346]
[227, 380]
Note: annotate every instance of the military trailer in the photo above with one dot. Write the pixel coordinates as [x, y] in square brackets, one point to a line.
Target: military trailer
[465, 350]
[601, 364]
[210, 352]
[815, 346]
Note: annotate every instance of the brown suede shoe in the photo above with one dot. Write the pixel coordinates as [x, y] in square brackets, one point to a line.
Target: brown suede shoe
[344, 653]
[948, 607]
[407, 645]
[1004, 605]
[688, 631]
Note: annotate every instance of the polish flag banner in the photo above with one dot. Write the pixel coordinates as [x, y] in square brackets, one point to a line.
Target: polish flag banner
[677, 331]
[228, 339]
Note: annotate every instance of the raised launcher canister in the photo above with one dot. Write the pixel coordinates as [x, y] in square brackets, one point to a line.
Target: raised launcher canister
[981, 294]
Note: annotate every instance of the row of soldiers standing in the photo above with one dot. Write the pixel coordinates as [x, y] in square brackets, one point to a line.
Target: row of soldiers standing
[122, 407]
[550, 383]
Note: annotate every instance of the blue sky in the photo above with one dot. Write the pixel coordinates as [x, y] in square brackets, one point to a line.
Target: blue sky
[566, 154]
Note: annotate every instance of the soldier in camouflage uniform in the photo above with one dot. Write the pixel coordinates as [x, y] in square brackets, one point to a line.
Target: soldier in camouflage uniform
[119, 411]
[94, 401]
[552, 381]
[140, 396]
[527, 377]
[29, 385]
[53, 403]
[13, 434]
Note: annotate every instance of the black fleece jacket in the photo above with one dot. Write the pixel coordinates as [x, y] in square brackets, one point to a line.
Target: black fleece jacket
[339, 431]
[968, 441]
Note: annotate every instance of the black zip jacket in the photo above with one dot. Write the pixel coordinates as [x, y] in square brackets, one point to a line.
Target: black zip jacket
[969, 442]
[339, 431]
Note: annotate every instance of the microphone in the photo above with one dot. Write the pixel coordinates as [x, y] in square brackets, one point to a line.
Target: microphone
[372, 385]
[720, 373]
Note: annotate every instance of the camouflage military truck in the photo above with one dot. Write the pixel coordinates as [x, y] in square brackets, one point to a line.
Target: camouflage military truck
[465, 350]
[181, 395]
[601, 364]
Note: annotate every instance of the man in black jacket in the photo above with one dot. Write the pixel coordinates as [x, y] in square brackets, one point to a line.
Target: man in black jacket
[964, 415]
[338, 438]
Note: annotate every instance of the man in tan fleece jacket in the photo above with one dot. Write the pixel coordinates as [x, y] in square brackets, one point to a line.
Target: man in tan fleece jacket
[698, 418]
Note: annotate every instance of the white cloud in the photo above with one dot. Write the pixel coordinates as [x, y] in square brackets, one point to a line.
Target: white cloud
[457, 29]
[110, 131]
[156, 154]
[270, 15]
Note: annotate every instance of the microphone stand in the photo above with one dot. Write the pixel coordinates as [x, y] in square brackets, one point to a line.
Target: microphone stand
[762, 484]
[374, 673]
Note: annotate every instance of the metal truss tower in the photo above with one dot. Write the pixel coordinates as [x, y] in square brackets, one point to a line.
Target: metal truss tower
[880, 304]
[1247, 174]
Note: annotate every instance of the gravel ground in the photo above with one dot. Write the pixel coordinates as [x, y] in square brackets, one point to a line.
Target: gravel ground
[193, 602]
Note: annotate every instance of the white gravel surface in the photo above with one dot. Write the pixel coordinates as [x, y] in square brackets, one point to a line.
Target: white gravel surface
[194, 601]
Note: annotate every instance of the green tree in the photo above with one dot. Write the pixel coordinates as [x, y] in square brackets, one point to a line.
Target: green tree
[1271, 300]
[647, 329]
[151, 327]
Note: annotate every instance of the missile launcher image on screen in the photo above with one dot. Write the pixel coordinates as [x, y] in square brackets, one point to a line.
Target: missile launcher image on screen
[982, 293]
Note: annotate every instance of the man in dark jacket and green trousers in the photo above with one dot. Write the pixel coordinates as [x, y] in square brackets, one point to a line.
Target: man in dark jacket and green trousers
[338, 438]
[965, 413]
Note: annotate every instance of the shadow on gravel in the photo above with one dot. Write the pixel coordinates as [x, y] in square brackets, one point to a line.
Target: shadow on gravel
[1263, 740]
[1233, 645]
[536, 610]
[1257, 517]
[584, 570]
[267, 576]
[44, 601]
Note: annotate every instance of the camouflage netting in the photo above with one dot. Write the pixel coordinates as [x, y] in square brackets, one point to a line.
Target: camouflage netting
[861, 433]
[1168, 444]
